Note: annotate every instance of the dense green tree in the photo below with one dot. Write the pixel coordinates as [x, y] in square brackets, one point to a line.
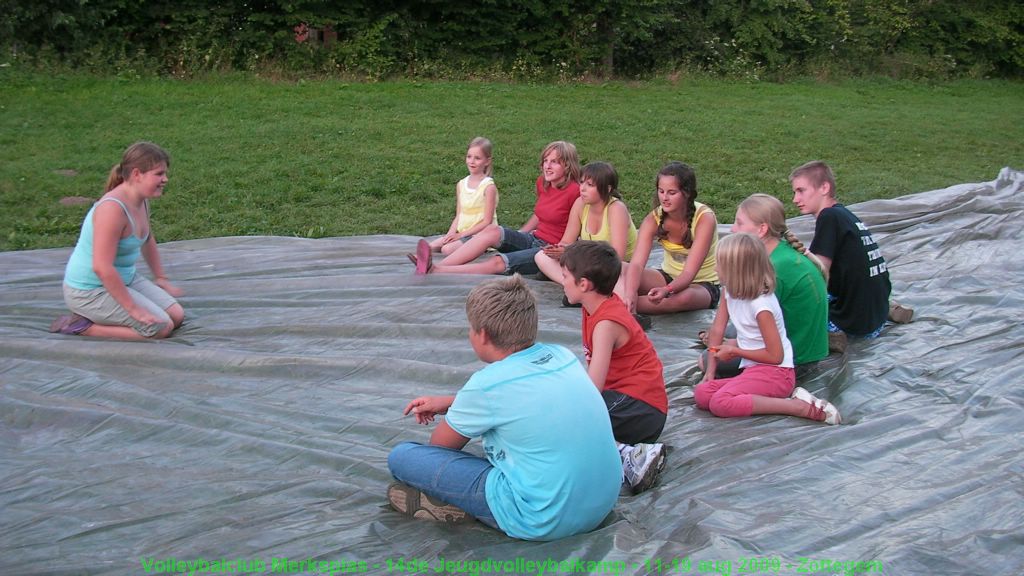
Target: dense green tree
[531, 39]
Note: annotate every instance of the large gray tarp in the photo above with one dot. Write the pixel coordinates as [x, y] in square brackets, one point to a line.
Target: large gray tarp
[260, 431]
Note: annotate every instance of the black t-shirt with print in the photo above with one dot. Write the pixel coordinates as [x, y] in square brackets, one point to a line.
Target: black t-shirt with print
[858, 278]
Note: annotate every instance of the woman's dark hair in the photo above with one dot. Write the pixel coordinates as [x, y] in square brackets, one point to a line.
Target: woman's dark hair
[686, 178]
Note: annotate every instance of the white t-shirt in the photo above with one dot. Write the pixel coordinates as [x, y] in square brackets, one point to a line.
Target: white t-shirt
[743, 315]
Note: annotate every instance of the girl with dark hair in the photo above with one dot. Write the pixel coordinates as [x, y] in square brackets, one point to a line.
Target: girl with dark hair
[598, 214]
[688, 233]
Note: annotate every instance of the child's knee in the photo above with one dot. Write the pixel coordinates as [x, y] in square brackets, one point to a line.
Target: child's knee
[176, 314]
[398, 458]
[729, 406]
[701, 396]
[497, 265]
[492, 233]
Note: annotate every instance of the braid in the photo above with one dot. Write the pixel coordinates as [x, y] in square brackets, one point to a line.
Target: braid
[797, 245]
[795, 242]
[659, 216]
[691, 209]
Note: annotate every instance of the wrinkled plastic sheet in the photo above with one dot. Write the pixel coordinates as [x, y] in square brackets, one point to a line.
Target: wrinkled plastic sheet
[258, 433]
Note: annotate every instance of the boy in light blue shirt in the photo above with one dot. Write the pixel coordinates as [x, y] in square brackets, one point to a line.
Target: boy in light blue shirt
[552, 468]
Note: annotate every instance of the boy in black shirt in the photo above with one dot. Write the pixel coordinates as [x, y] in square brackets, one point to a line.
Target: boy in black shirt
[858, 279]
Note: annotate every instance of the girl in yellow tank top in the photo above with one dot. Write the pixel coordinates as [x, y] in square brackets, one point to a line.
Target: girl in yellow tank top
[476, 199]
[688, 232]
[598, 214]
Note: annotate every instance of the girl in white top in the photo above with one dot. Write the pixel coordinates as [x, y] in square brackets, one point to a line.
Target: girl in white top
[476, 199]
[766, 383]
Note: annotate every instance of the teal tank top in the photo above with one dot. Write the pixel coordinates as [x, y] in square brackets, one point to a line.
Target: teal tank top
[79, 273]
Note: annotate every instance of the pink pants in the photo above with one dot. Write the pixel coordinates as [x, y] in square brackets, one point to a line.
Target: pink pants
[732, 397]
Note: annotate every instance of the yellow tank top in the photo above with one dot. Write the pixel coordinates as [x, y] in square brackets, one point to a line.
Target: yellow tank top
[605, 233]
[675, 254]
[472, 202]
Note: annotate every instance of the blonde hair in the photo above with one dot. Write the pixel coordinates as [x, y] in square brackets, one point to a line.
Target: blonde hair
[818, 173]
[768, 210]
[506, 310]
[485, 146]
[143, 156]
[744, 267]
[570, 159]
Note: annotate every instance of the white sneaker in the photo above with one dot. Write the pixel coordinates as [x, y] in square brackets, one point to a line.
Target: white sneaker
[641, 464]
[828, 409]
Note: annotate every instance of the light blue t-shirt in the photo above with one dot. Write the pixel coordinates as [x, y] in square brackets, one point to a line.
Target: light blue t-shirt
[546, 430]
[79, 272]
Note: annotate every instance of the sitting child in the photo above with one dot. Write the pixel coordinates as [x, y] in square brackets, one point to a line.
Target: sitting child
[858, 278]
[621, 360]
[766, 384]
[552, 468]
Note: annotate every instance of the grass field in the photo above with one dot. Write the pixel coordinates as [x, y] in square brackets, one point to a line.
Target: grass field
[326, 158]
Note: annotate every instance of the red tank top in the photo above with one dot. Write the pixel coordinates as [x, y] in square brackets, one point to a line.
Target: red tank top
[635, 369]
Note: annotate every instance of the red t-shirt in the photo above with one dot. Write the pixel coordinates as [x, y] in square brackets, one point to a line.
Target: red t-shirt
[635, 369]
[552, 210]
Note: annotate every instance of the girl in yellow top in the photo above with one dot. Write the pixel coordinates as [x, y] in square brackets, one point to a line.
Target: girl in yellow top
[476, 199]
[688, 233]
[598, 214]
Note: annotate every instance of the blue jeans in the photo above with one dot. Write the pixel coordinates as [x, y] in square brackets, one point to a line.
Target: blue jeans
[452, 476]
[517, 249]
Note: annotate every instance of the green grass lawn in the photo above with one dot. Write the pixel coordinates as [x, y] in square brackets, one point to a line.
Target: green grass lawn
[328, 158]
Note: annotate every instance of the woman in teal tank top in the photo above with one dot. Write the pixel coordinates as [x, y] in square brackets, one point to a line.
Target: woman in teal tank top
[107, 298]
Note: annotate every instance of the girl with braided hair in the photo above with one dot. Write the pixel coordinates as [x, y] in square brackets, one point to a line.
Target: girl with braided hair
[688, 233]
[799, 282]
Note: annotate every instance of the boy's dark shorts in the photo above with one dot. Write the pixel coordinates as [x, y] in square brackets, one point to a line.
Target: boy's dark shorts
[714, 290]
[633, 421]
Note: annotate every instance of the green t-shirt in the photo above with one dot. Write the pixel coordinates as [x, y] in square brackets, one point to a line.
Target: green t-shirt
[802, 294]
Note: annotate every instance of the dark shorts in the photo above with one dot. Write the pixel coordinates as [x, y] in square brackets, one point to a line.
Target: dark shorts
[633, 421]
[714, 290]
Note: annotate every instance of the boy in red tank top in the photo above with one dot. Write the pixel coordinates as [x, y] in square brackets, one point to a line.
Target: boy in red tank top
[621, 360]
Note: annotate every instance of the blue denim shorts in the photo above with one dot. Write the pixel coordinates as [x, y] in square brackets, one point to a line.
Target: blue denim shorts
[517, 249]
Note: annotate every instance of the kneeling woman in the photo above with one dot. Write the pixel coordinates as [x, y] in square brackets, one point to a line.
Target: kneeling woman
[107, 296]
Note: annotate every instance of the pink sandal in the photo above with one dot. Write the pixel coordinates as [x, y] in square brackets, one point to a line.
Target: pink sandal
[424, 257]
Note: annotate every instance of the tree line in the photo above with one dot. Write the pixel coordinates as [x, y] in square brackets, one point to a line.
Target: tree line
[523, 39]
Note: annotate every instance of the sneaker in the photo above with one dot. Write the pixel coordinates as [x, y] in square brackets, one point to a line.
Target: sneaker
[411, 502]
[641, 464]
[424, 257]
[837, 342]
[823, 410]
[567, 304]
[900, 314]
[71, 325]
[643, 320]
